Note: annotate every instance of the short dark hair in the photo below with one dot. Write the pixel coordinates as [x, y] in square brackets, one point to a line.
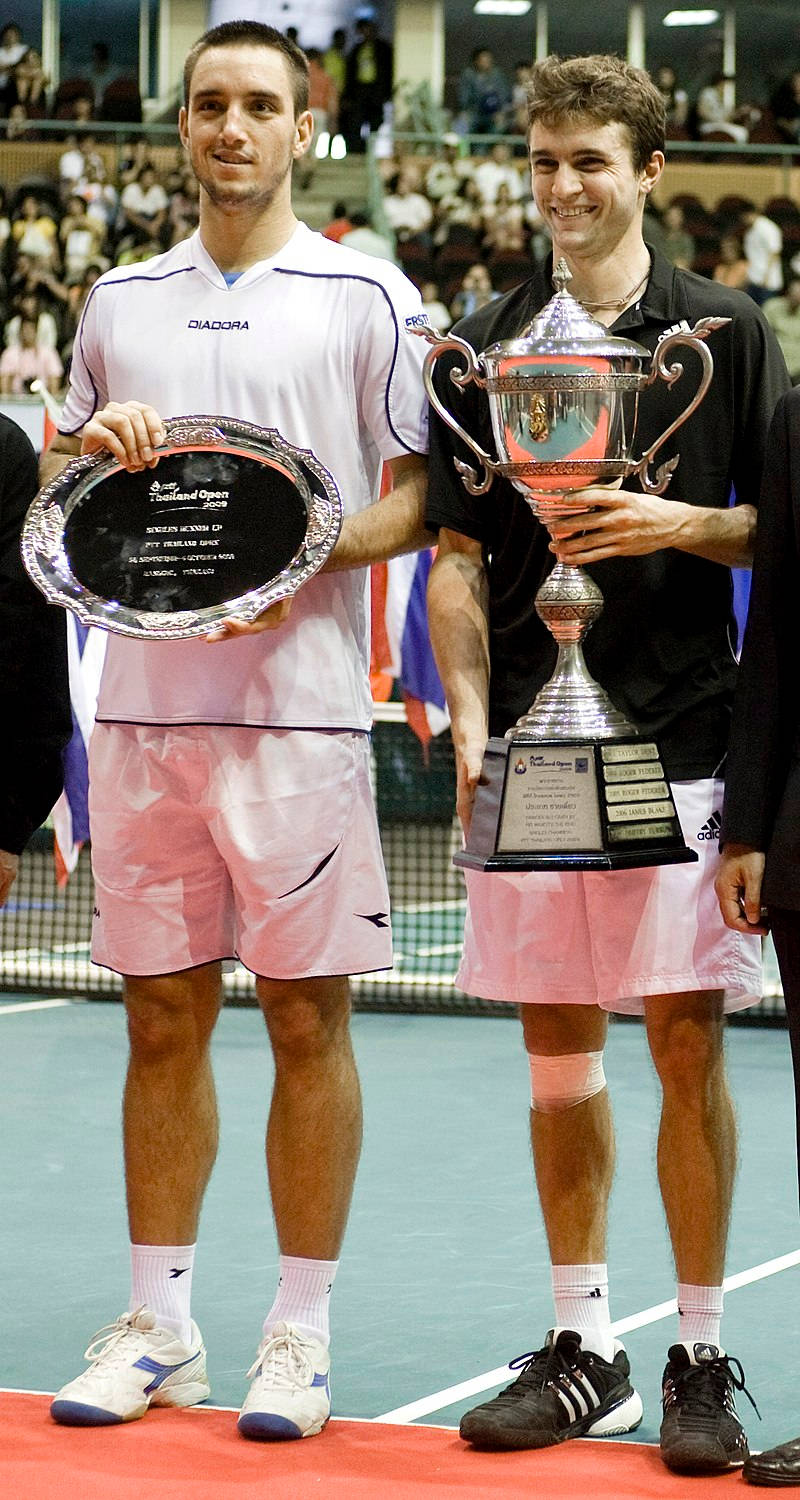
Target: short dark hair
[252, 34]
[604, 89]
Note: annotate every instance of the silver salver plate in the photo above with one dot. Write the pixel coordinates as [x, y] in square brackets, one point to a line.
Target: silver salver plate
[232, 519]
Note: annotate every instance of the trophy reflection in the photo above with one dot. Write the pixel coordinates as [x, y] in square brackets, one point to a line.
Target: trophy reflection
[573, 785]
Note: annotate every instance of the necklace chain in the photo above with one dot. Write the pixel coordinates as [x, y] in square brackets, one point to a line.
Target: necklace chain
[620, 301]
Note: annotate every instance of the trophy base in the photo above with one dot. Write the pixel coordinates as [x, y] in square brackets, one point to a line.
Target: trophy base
[573, 805]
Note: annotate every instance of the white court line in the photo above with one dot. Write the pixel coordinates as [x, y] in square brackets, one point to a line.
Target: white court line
[479, 1383]
[13, 1010]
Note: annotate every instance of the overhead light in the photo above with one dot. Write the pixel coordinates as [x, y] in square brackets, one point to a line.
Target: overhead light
[691, 17]
[501, 7]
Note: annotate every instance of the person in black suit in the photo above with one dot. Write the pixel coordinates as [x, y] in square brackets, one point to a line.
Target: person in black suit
[33, 670]
[758, 884]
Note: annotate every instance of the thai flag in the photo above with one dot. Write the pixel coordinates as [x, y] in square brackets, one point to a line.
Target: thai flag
[401, 648]
[86, 647]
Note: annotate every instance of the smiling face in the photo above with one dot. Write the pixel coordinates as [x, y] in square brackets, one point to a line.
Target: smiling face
[239, 127]
[586, 187]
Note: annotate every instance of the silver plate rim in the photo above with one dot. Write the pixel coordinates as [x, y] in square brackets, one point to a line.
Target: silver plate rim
[49, 568]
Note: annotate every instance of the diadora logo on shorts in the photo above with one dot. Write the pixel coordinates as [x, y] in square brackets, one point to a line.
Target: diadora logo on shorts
[418, 320]
[218, 325]
[710, 830]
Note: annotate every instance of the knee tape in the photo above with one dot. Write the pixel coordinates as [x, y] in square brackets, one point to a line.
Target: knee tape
[559, 1083]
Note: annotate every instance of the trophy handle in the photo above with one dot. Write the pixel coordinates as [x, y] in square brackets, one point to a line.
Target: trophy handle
[475, 482]
[660, 370]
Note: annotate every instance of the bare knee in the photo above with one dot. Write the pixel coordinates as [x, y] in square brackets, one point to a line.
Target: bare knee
[686, 1041]
[171, 1015]
[552, 1030]
[307, 1020]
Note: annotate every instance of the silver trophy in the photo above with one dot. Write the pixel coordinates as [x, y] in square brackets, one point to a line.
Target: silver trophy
[563, 400]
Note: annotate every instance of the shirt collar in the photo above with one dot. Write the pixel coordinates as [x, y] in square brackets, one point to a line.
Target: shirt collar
[291, 254]
[662, 300]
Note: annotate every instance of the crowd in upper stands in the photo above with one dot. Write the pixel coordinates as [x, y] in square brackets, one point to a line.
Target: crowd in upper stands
[460, 219]
[57, 237]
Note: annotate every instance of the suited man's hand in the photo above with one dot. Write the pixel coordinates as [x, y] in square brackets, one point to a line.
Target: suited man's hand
[738, 888]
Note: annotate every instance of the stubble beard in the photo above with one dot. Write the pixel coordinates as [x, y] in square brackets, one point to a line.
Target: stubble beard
[255, 197]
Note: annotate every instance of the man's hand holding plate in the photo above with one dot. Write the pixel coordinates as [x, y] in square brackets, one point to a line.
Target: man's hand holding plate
[130, 430]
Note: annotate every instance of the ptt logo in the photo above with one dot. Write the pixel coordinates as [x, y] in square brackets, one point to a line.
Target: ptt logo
[418, 320]
[218, 325]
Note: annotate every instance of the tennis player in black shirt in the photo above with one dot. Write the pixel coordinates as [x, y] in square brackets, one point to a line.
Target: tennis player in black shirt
[568, 947]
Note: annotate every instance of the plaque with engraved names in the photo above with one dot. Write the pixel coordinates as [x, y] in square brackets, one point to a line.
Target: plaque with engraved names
[573, 805]
[232, 518]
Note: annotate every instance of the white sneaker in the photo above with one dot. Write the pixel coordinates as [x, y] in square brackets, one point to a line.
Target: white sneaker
[290, 1396]
[133, 1364]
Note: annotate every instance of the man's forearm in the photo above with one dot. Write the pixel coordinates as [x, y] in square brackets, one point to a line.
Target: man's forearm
[721, 536]
[392, 526]
[57, 456]
[459, 630]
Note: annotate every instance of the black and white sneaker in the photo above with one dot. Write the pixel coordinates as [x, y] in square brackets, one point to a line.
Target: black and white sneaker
[562, 1391]
[701, 1432]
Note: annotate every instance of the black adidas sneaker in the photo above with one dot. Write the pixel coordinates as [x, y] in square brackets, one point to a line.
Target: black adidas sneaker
[562, 1391]
[701, 1432]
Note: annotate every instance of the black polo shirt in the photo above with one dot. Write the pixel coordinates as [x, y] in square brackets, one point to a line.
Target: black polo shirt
[664, 646]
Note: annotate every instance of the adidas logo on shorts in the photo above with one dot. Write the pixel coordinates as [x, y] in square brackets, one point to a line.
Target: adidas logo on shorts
[710, 830]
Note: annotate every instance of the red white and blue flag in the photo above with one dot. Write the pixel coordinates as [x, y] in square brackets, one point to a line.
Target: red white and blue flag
[86, 647]
[401, 647]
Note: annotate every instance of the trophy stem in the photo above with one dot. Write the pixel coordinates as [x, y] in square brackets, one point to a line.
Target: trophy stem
[571, 705]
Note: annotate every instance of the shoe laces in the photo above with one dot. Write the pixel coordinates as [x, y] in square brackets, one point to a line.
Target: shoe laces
[282, 1361]
[107, 1344]
[700, 1387]
[540, 1368]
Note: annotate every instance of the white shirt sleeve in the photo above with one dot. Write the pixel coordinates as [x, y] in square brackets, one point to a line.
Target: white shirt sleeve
[391, 397]
[87, 383]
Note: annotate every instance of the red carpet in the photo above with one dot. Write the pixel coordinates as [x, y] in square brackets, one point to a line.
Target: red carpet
[196, 1455]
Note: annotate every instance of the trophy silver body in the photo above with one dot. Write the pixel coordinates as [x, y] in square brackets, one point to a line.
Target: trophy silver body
[563, 401]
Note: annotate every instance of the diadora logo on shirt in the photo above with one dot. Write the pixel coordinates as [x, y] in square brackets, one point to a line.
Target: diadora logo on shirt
[218, 325]
[710, 830]
[418, 320]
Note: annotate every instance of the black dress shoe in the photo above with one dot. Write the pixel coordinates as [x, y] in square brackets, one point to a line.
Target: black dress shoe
[776, 1466]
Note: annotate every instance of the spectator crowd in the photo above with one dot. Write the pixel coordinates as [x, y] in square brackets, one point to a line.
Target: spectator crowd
[461, 221]
[57, 236]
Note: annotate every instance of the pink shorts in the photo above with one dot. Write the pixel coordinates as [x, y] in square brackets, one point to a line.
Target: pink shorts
[217, 842]
[609, 938]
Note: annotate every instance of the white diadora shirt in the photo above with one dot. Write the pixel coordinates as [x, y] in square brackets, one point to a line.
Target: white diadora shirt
[315, 342]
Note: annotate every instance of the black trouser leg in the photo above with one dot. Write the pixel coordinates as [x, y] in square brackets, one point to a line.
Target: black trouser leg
[785, 928]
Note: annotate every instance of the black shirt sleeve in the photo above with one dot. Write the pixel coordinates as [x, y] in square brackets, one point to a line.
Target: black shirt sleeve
[33, 662]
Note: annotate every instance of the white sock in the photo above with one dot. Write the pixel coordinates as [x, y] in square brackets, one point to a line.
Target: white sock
[161, 1279]
[699, 1313]
[303, 1296]
[580, 1294]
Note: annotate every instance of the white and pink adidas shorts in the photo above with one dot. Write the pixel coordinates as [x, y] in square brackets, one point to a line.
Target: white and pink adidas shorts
[609, 938]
